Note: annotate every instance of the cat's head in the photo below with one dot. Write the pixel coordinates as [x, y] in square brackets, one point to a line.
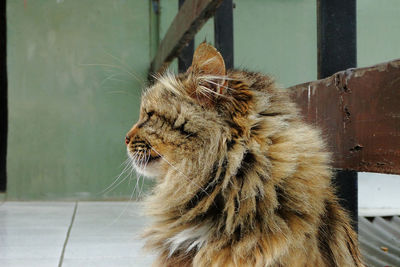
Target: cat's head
[179, 121]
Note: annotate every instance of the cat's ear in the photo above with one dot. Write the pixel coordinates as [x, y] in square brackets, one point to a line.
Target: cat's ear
[208, 68]
[208, 61]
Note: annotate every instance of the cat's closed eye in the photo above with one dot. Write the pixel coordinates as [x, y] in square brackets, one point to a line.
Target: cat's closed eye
[149, 114]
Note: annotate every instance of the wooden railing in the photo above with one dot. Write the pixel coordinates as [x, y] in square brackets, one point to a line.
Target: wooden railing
[357, 109]
[192, 15]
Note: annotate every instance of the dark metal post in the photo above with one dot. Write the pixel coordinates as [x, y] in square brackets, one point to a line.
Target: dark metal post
[337, 51]
[336, 36]
[185, 58]
[346, 182]
[223, 31]
[3, 97]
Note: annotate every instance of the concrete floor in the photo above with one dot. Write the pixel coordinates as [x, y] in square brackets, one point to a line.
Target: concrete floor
[72, 234]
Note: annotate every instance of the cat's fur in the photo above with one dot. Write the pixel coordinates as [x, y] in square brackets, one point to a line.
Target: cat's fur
[242, 180]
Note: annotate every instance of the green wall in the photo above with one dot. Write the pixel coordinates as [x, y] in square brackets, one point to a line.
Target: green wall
[278, 38]
[72, 94]
[271, 36]
[378, 31]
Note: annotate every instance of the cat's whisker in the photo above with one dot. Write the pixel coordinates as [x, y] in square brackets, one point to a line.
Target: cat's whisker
[216, 77]
[138, 177]
[109, 78]
[223, 86]
[135, 161]
[126, 168]
[124, 210]
[128, 82]
[127, 67]
[206, 95]
[120, 92]
[115, 67]
[131, 177]
[145, 164]
[117, 184]
[141, 165]
[125, 162]
[130, 173]
[208, 90]
[129, 162]
[121, 80]
[188, 135]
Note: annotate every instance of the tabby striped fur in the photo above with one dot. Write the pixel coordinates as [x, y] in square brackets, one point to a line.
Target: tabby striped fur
[242, 180]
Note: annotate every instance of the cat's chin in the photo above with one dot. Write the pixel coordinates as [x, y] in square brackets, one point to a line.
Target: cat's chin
[152, 169]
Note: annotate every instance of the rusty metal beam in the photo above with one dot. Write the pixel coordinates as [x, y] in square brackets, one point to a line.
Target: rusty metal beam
[358, 111]
[192, 15]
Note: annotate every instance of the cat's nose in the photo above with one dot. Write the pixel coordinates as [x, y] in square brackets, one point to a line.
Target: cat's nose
[127, 139]
[131, 134]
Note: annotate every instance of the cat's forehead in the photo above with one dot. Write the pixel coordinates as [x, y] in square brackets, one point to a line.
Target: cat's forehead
[151, 96]
[157, 92]
[168, 85]
[160, 94]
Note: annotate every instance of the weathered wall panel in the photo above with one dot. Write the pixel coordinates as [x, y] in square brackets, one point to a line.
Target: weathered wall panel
[72, 95]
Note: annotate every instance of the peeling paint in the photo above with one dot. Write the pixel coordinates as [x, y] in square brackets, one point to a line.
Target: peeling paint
[361, 72]
[356, 148]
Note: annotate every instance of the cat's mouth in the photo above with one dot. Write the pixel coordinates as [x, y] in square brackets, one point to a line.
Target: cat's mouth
[142, 160]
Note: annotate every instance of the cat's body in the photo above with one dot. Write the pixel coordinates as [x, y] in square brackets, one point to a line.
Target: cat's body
[242, 181]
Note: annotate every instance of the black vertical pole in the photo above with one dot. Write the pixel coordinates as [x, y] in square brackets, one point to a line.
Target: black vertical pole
[185, 58]
[337, 51]
[3, 96]
[336, 36]
[346, 182]
[223, 31]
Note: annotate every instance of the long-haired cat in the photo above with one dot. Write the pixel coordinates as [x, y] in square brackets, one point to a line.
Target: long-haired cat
[241, 179]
